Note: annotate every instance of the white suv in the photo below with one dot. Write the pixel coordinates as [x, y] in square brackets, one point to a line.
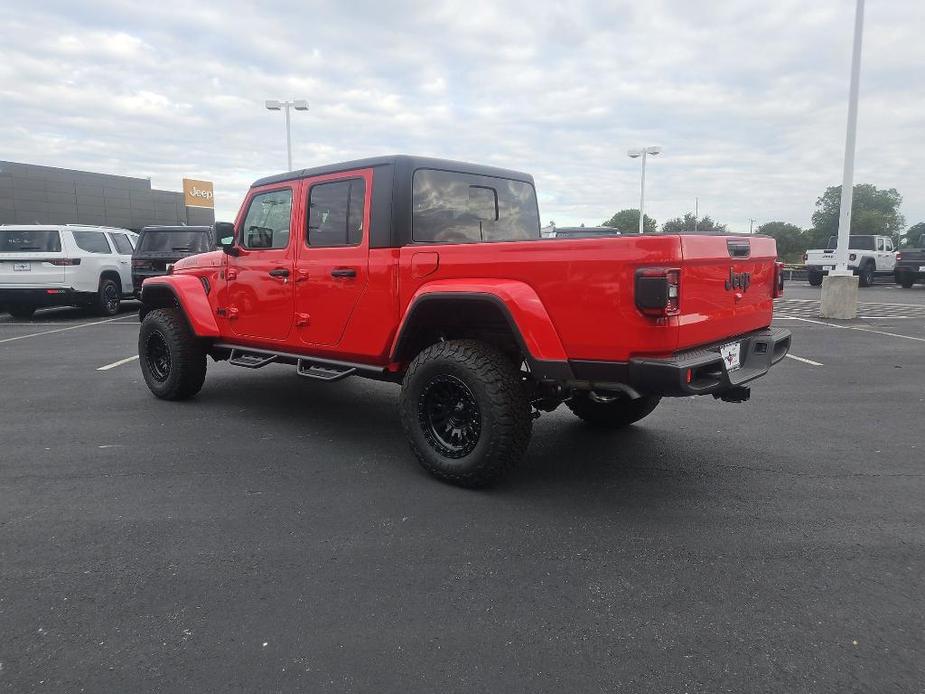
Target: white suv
[64, 265]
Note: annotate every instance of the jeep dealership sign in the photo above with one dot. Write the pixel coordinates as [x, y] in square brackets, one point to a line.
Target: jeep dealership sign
[198, 193]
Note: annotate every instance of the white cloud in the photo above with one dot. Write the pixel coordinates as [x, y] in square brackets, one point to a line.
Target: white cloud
[747, 98]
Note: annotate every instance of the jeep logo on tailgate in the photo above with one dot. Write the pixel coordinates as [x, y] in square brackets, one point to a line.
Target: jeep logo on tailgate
[738, 280]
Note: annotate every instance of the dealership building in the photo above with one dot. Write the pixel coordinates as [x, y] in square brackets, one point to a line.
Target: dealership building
[31, 194]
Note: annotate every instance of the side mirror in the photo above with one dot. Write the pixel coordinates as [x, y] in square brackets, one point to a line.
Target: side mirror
[224, 237]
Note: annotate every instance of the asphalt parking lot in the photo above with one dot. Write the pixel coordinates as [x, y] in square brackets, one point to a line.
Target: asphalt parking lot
[275, 534]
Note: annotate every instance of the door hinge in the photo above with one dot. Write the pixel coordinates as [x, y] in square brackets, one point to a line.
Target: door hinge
[302, 319]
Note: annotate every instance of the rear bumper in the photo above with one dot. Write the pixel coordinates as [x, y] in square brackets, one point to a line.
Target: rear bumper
[53, 296]
[819, 268]
[692, 372]
[910, 270]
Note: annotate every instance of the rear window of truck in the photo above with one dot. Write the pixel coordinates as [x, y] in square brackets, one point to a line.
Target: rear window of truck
[449, 207]
[175, 241]
[25, 241]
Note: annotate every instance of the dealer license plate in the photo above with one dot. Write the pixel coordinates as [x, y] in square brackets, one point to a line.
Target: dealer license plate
[828, 268]
[730, 354]
[22, 267]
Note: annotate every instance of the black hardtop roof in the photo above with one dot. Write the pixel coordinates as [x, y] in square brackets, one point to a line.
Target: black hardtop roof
[174, 227]
[404, 161]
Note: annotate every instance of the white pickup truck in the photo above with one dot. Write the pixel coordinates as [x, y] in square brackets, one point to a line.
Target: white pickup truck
[868, 256]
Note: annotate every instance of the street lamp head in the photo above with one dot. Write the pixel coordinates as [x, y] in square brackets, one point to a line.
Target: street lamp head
[653, 150]
[633, 153]
[273, 105]
[300, 105]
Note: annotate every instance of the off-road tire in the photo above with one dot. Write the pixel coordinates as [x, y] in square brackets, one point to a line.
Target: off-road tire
[108, 298]
[614, 414]
[484, 377]
[905, 280]
[21, 311]
[182, 373]
[866, 275]
[815, 279]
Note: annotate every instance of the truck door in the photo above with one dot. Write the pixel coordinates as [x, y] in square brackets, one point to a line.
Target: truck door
[259, 289]
[886, 258]
[332, 266]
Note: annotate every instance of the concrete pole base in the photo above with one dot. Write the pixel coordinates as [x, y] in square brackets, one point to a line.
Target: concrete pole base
[840, 297]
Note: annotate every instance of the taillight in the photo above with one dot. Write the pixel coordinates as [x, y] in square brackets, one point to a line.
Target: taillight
[141, 263]
[658, 291]
[778, 280]
[899, 256]
[61, 262]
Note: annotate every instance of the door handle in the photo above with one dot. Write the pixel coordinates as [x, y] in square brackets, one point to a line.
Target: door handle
[279, 272]
[343, 272]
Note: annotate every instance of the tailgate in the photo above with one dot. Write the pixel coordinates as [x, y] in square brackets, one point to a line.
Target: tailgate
[31, 258]
[727, 285]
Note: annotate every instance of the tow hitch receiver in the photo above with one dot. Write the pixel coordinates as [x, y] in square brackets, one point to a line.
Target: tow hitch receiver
[735, 394]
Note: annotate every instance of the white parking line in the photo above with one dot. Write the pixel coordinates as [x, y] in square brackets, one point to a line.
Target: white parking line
[805, 361]
[859, 329]
[61, 330]
[860, 303]
[117, 363]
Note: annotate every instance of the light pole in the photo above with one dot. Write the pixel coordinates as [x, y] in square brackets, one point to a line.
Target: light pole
[840, 288]
[278, 105]
[633, 154]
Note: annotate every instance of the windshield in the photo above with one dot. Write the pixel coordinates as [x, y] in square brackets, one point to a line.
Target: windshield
[858, 243]
[25, 241]
[175, 241]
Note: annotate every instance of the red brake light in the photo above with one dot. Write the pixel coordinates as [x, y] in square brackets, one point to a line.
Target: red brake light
[778, 280]
[658, 291]
[899, 256]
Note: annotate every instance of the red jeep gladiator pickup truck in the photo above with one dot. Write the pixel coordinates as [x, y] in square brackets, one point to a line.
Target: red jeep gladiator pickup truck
[433, 274]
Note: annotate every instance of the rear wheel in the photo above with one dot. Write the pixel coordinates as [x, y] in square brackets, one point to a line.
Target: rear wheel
[905, 280]
[172, 358]
[108, 298]
[466, 412]
[866, 275]
[611, 410]
[21, 311]
[815, 278]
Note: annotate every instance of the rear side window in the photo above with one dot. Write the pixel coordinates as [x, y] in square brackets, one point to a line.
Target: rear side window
[335, 213]
[450, 207]
[91, 241]
[176, 241]
[26, 241]
[267, 222]
[122, 244]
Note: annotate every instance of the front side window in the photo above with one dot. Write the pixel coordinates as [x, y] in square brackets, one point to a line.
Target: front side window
[92, 241]
[26, 241]
[335, 213]
[450, 207]
[268, 220]
[122, 244]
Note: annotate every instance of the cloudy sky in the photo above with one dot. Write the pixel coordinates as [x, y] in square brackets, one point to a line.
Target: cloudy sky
[747, 99]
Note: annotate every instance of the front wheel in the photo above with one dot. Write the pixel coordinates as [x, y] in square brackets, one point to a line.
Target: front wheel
[815, 279]
[172, 358]
[466, 412]
[611, 411]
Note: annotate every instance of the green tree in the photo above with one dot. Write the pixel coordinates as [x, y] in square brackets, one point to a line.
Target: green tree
[873, 211]
[791, 241]
[690, 223]
[627, 221]
[915, 236]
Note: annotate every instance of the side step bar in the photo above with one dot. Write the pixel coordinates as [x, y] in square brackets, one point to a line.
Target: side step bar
[317, 368]
[323, 372]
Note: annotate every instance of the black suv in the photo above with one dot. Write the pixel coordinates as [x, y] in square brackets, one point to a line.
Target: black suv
[159, 246]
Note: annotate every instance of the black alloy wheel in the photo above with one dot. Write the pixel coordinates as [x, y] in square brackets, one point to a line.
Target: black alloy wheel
[157, 355]
[450, 416]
